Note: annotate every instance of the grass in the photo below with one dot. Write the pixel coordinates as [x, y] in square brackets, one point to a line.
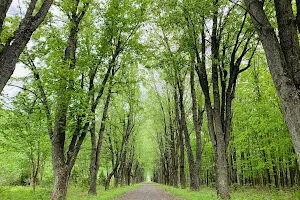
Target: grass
[21, 192]
[81, 193]
[207, 193]
[74, 193]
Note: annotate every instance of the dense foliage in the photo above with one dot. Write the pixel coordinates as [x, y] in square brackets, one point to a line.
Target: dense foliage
[120, 92]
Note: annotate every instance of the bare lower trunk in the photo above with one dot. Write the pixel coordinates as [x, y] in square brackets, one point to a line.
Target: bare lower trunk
[174, 162]
[181, 162]
[221, 172]
[60, 177]
[292, 118]
[194, 179]
[117, 180]
[93, 181]
[180, 142]
[128, 181]
[107, 181]
[197, 120]
[112, 173]
[93, 174]
[194, 176]
[60, 184]
[93, 164]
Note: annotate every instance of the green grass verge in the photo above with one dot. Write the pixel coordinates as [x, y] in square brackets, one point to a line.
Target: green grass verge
[81, 193]
[26, 193]
[74, 193]
[207, 193]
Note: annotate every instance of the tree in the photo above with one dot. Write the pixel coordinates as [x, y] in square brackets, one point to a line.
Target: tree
[175, 65]
[97, 144]
[225, 68]
[57, 125]
[14, 45]
[283, 56]
[123, 123]
[204, 122]
[230, 43]
[122, 34]
[25, 133]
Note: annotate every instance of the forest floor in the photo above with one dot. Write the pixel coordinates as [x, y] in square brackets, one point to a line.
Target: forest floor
[148, 191]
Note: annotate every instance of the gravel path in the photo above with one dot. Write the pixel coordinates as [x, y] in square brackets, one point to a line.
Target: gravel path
[148, 192]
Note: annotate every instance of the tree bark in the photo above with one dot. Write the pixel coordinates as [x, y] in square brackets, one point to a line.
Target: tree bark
[180, 143]
[14, 46]
[60, 173]
[174, 157]
[5, 4]
[93, 170]
[197, 120]
[112, 173]
[221, 170]
[194, 175]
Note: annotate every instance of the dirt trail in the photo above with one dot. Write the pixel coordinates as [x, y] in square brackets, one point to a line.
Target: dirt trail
[148, 192]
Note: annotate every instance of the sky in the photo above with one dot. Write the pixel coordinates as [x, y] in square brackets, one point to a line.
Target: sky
[14, 7]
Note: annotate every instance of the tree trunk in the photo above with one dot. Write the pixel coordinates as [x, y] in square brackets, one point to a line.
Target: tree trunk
[222, 172]
[60, 172]
[197, 120]
[60, 183]
[180, 143]
[14, 46]
[107, 181]
[219, 108]
[5, 4]
[283, 59]
[117, 178]
[62, 167]
[93, 180]
[112, 173]
[174, 158]
[128, 181]
[96, 150]
[35, 168]
[194, 175]
[93, 165]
